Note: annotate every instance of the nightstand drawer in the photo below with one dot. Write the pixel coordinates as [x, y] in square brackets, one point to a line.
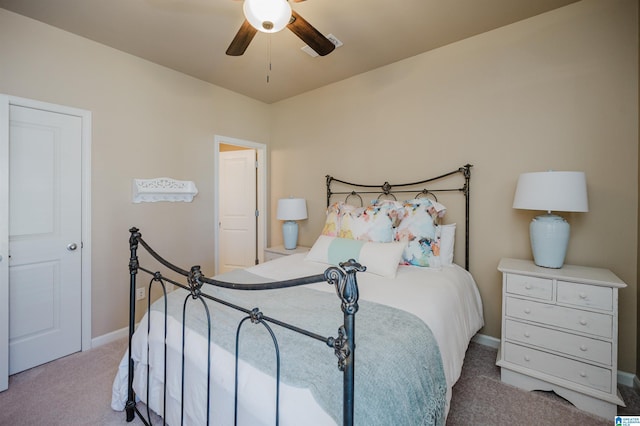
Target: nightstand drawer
[539, 288]
[568, 369]
[559, 316]
[588, 296]
[559, 341]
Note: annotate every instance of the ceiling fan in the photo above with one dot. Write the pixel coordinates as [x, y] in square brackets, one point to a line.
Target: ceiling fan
[271, 16]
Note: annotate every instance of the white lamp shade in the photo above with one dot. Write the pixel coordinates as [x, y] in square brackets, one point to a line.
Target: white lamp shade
[552, 191]
[268, 16]
[292, 209]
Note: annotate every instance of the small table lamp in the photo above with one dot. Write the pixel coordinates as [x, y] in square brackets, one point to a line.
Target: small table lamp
[558, 191]
[290, 210]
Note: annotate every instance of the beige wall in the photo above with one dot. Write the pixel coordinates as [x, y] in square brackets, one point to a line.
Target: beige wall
[558, 91]
[148, 121]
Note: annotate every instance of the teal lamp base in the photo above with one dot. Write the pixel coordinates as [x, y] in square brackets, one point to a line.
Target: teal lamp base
[290, 234]
[549, 240]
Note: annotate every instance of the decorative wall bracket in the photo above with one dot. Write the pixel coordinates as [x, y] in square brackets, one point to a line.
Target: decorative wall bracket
[163, 189]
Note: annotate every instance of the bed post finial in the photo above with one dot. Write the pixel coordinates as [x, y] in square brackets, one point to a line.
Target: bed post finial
[329, 179]
[133, 247]
[344, 280]
[195, 281]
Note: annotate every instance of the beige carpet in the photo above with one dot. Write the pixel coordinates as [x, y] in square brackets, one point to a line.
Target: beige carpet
[480, 398]
[76, 390]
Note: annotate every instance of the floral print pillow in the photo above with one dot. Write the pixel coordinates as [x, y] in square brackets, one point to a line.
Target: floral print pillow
[332, 223]
[414, 222]
[334, 217]
[375, 223]
[419, 229]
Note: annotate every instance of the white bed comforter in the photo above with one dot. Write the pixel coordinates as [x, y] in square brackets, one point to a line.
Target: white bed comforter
[447, 300]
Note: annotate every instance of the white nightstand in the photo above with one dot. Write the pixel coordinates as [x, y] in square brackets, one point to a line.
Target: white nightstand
[275, 252]
[560, 333]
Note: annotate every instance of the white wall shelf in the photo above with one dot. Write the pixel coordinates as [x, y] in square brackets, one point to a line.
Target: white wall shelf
[163, 189]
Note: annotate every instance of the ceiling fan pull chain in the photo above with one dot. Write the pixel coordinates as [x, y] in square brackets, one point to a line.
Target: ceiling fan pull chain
[268, 57]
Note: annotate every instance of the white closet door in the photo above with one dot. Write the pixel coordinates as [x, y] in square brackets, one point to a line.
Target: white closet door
[45, 223]
[4, 243]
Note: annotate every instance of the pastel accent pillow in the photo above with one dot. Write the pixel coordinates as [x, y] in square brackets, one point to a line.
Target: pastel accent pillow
[379, 258]
[332, 223]
[418, 228]
[373, 223]
[334, 216]
[447, 241]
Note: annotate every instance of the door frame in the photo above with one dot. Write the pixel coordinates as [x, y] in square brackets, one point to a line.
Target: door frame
[261, 188]
[5, 102]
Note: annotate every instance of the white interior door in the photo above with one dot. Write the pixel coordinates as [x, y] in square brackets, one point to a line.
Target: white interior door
[45, 227]
[237, 210]
[4, 243]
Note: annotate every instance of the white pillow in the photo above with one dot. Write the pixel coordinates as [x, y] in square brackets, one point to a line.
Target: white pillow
[447, 240]
[379, 258]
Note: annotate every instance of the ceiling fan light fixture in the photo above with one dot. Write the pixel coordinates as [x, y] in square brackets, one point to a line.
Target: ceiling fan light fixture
[268, 16]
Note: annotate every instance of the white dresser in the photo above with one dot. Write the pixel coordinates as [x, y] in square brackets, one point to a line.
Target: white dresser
[560, 333]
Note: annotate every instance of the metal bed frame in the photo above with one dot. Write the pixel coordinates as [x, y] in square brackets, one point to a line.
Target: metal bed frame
[343, 278]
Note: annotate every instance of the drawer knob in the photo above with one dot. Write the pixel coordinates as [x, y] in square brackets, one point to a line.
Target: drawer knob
[526, 334]
[583, 348]
[583, 322]
[582, 296]
[583, 374]
[526, 358]
[528, 286]
[527, 311]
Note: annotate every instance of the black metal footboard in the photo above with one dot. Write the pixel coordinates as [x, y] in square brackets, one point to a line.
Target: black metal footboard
[343, 279]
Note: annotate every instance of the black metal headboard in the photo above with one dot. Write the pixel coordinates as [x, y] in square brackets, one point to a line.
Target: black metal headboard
[431, 186]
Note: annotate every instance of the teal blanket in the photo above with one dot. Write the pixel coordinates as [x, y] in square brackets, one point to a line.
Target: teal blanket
[399, 378]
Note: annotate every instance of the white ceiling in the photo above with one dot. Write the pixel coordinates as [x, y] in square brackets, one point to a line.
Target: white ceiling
[191, 36]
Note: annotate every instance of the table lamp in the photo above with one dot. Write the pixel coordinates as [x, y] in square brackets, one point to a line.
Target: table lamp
[290, 210]
[551, 191]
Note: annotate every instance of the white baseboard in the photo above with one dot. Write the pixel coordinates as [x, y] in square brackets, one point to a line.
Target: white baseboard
[624, 378]
[628, 379]
[485, 340]
[109, 337]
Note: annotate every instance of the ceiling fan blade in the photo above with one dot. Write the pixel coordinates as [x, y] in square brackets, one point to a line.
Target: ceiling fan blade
[307, 33]
[242, 39]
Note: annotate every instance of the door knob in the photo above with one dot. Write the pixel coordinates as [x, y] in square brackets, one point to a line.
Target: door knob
[72, 246]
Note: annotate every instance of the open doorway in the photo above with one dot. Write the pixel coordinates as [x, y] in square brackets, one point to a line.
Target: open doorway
[240, 203]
